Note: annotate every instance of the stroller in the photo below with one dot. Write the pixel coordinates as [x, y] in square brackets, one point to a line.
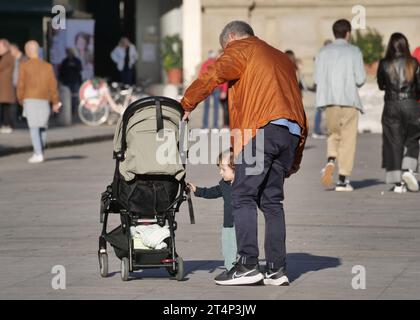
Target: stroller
[146, 191]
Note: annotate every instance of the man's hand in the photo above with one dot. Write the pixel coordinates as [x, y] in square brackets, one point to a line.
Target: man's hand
[186, 115]
[56, 107]
[192, 187]
[223, 95]
[292, 170]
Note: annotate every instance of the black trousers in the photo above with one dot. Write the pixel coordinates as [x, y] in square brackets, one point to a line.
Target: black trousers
[261, 184]
[401, 130]
[6, 114]
[128, 76]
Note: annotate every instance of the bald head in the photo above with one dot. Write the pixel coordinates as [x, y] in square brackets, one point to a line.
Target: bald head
[31, 49]
[4, 46]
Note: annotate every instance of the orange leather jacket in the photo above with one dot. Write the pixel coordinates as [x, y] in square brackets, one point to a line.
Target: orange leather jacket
[262, 87]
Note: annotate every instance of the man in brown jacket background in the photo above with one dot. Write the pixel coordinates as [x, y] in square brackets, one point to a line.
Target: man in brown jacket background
[36, 88]
[265, 104]
[7, 91]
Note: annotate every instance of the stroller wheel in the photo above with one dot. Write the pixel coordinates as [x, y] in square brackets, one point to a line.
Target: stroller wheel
[103, 264]
[125, 268]
[180, 269]
[171, 271]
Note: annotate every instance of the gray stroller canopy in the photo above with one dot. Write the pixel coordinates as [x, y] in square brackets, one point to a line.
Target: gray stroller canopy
[149, 152]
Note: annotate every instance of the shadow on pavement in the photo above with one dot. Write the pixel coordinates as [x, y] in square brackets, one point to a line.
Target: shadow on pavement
[301, 263]
[203, 265]
[147, 274]
[297, 265]
[366, 183]
[65, 158]
[189, 268]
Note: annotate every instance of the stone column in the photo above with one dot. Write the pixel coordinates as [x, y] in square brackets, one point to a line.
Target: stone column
[191, 36]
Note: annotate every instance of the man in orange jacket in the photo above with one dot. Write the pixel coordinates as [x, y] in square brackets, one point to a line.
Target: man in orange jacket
[265, 104]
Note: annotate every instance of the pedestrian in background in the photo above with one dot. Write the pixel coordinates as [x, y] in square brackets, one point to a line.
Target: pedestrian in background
[70, 75]
[299, 76]
[416, 54]
[399, 75]
[339, 71]
[215, 94]
[224, 89]
[125, 57]
[19, 57]
[36, 88]
[224, 101]
[7, 91]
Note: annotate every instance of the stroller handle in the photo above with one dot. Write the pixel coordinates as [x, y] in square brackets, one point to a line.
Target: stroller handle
[140, 104]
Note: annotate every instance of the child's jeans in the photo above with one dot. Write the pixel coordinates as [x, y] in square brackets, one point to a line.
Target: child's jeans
[229, 248]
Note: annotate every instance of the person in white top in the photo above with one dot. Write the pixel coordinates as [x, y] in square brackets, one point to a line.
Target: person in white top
[125, 56]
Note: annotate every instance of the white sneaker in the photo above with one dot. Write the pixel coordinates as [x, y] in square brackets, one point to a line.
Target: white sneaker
[318, 136]
[215, 130]
[346, 186]
[205, 130]
[411, 181]
[400, 189]
[225, 130]
[276, 278]
[36, 158]
[6, 130]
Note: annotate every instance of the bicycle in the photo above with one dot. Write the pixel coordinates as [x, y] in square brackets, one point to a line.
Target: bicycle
[100, 103]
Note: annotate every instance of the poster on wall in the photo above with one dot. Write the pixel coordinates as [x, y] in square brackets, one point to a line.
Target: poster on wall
[77, 37]
[56, 45]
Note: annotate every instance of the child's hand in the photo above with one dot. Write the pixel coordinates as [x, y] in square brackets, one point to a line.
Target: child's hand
[191, 187]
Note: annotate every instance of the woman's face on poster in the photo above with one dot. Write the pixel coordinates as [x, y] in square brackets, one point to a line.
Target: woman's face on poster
[81, 43]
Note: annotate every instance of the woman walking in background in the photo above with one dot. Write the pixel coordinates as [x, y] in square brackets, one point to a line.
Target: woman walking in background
[399, 75]
[36, 88]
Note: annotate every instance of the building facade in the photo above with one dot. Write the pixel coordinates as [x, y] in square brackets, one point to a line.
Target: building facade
[303, 25]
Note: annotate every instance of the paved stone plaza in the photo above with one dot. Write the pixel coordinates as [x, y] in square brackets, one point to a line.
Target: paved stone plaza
[50, 216]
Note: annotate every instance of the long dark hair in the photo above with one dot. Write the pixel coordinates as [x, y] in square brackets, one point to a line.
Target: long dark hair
[398, 47]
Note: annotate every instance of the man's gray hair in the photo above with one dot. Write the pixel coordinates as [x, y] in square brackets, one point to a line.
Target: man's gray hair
[239, 28]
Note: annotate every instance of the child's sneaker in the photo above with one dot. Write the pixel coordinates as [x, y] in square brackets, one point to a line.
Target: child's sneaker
[410, 181]
[239, 275]
[276, 277]
[327, 174]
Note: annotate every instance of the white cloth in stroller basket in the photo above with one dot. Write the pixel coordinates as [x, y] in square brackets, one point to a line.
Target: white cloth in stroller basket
[152, 236]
